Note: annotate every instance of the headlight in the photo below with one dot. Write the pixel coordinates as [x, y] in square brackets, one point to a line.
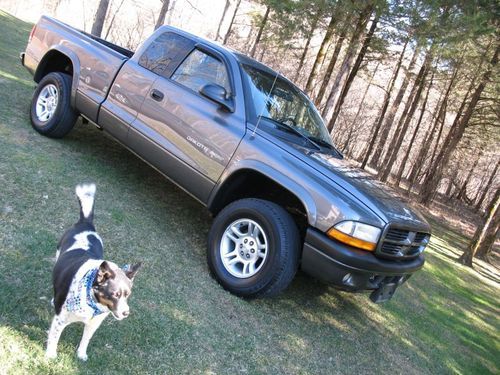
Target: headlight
[362, 236]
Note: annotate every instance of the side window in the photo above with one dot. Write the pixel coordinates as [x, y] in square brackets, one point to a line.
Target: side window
[200, 69]
[165, 53]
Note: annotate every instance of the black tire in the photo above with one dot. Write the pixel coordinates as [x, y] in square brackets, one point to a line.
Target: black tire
[63, 119]
[281, 263]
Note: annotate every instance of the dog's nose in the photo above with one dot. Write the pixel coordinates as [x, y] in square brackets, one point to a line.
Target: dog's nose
[125, 313]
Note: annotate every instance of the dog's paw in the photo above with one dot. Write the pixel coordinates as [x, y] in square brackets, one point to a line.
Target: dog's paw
[51, 354]
[82, 356]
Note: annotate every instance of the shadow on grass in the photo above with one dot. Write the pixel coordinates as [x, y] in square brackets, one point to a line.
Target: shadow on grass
[451, 243]
[487, 270]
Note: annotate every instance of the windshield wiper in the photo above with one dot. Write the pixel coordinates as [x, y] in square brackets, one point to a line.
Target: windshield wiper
[292, 129]
[326, 144]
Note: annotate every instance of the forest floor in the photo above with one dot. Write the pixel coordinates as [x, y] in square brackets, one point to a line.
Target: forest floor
[444, 320]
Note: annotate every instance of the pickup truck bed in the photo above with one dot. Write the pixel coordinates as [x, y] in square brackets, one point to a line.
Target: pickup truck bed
[125, 52]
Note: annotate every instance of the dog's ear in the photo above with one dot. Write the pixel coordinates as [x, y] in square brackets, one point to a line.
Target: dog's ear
[131, 271]
[105, 272]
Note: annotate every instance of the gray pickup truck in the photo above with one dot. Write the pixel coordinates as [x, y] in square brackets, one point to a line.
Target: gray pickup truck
[242, 140]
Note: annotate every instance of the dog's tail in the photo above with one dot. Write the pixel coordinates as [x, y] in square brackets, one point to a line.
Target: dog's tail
[85, 194]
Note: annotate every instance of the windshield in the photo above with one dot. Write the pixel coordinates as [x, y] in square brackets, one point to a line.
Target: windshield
[286, 104]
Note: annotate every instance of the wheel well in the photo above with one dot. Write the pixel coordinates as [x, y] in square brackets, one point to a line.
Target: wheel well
[252, 184]
[53, 61]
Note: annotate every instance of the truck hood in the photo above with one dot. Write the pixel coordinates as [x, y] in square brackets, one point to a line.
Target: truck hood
[378, 197]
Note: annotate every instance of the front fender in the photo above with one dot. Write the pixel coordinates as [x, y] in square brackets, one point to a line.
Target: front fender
[287, 183]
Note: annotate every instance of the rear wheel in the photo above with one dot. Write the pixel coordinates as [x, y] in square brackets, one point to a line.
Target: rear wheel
[253, 248]
[51, 113]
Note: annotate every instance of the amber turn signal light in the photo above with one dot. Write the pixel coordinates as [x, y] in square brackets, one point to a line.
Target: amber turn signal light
[351, 241]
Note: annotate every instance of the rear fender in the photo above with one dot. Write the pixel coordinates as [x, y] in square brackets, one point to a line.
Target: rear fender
[74, 61]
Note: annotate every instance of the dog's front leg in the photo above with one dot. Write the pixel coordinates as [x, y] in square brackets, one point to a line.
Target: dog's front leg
[58, 324]
[90, 327]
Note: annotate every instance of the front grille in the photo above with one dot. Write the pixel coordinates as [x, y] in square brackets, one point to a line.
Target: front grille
[402, 243]
[397, 235]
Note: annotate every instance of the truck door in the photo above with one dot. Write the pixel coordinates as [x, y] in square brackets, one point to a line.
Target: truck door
[124, 100]
[187, 136]
[133, 81]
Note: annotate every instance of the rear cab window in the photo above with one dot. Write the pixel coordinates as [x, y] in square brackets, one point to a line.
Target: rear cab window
[165, 53]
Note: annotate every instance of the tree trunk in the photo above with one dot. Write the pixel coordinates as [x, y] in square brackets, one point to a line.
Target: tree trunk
[262, 53]
[321, 54]
[306, 48]
[488, 186]
[360, 107]
[458, 115]
[228, 33]
[385, 105]
[163, 13]
[331, 66]
[353, 72]
[480, 186]
[394, 109]
[402, 166]
[450, 188]
[438, 119]
[113, 19]
[424, 147]
[100, 17]
[261, 29]
[402, 120]
[349, 55]
[485, 250]
[53, 5]
[226, 7]
[485, 235]
[352, 150]
[462, 192]
[168, 19]
[432, 180]
[408, 112]
[440, 132]
[346, 142]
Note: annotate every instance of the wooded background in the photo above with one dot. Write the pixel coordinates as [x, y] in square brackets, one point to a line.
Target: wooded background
[409, 90]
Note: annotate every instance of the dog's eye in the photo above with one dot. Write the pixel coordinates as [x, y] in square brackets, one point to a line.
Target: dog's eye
[117, 294]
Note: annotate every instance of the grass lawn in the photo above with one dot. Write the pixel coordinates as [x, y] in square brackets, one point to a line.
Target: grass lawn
[444, 320]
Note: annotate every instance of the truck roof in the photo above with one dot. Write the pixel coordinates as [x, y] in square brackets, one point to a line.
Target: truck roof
[239, 56]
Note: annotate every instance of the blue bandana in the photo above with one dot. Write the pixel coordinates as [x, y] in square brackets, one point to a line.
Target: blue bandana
[80, 299]
[90, 297]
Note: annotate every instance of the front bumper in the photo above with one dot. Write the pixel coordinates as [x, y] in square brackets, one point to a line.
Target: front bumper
[351, 269]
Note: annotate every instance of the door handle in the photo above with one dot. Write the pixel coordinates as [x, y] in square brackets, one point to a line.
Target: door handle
[157, 95]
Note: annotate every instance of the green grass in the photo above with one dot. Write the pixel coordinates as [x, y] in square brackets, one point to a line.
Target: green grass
[444, 320]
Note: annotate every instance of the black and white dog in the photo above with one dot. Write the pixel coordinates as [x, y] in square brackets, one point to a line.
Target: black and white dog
[86, 287]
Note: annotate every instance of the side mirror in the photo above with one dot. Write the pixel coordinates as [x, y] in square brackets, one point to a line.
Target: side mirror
[217, 94]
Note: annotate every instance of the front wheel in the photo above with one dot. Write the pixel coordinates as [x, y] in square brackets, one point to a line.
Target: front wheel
[253, 248]
[51, 112]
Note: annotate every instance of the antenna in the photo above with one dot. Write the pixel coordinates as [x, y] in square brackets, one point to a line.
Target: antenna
[265, 103]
